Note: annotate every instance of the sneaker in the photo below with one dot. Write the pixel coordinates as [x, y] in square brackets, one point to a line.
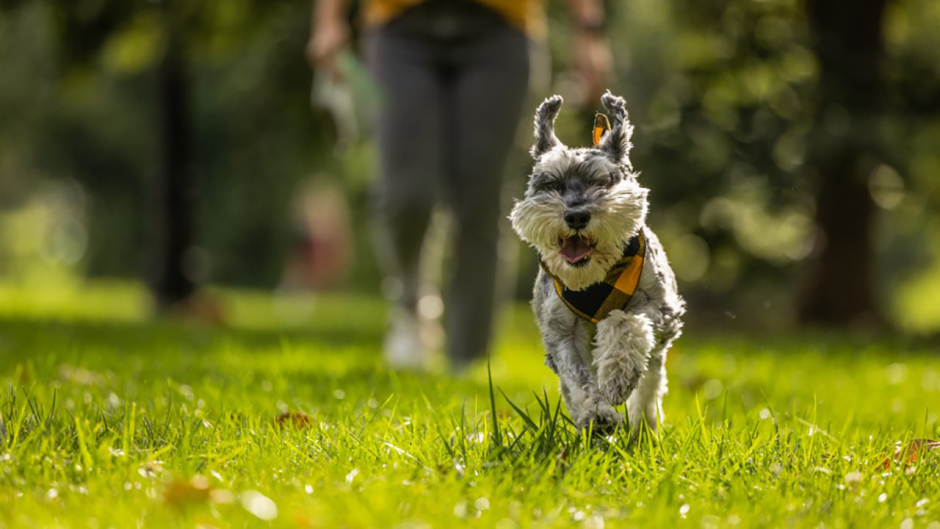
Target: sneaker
[405, 346]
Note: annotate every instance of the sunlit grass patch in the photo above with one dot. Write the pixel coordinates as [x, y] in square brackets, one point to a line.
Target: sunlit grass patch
[111, 420]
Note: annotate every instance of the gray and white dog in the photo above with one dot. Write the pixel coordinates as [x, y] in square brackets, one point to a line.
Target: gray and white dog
[584, 211]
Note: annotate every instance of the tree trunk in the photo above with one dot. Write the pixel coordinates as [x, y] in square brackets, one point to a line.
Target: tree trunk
[844, 150]
[174, 193]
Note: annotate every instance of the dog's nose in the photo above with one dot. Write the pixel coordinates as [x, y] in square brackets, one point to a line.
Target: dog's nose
[577, 219]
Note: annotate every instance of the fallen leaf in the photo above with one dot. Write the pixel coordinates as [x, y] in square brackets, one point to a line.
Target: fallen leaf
[910, 453]
[181, 493]
[200, 310]
[297, 419]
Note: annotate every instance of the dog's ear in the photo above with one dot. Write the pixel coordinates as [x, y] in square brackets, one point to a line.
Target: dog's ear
[616, 143]
[545, 139]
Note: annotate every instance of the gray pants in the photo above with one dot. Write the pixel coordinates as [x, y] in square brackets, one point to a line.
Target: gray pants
[455, 78]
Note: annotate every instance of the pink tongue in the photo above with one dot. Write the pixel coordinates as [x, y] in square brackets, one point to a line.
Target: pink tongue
[575, 249]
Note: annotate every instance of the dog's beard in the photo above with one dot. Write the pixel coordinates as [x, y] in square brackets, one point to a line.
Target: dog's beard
[616, 215]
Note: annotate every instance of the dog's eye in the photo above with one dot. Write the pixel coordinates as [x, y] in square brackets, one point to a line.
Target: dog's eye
[556, 186]
[605, 179]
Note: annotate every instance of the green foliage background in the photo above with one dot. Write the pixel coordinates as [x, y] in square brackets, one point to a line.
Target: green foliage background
[722, 93]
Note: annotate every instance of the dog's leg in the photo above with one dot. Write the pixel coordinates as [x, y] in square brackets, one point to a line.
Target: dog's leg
[578, 384]
[646, 402]
[566, 343]
[574, 400]
[622, 349]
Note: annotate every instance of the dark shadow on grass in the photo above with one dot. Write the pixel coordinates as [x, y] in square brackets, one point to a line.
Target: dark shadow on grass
[152, 352]
[19, 336]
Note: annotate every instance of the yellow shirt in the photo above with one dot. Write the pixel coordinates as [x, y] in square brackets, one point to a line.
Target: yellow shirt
[527, 15]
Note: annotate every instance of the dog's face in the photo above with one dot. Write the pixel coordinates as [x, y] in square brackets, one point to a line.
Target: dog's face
[582, 206]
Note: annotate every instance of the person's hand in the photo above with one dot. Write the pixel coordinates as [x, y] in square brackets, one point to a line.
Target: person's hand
[593, 62]
[329, 37]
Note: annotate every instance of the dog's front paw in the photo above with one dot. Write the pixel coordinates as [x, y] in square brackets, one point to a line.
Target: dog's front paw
[603, 416]
[617, 381]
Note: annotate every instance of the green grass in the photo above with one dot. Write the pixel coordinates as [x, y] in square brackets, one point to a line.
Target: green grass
[110, 420]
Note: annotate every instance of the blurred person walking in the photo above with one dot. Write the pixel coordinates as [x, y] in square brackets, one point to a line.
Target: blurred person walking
[454, 75]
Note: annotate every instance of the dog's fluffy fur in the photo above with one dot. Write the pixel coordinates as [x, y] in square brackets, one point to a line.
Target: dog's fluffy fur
[623, 359]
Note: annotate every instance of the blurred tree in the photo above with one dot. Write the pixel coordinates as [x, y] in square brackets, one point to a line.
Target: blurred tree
[845, 150]
[155, 106]
[716, 90]
[85, 30]
[174, 189]
[741, 114]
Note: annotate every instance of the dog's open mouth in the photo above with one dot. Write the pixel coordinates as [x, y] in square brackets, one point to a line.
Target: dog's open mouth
[576, 249]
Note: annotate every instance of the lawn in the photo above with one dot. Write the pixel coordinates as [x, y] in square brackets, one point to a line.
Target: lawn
[111, 420]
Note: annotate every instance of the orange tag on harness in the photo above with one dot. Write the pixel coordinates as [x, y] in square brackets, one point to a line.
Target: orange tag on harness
[601, 125]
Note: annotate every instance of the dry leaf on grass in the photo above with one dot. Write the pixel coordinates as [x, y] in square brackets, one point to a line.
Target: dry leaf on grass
[296, 419]
[196, 490]
[909, 453]
[180, 493]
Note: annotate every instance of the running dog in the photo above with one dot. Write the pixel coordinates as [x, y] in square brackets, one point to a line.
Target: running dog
[605, 299]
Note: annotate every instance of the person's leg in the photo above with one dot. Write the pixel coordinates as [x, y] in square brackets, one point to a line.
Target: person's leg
[488, 93]
[408, 132]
